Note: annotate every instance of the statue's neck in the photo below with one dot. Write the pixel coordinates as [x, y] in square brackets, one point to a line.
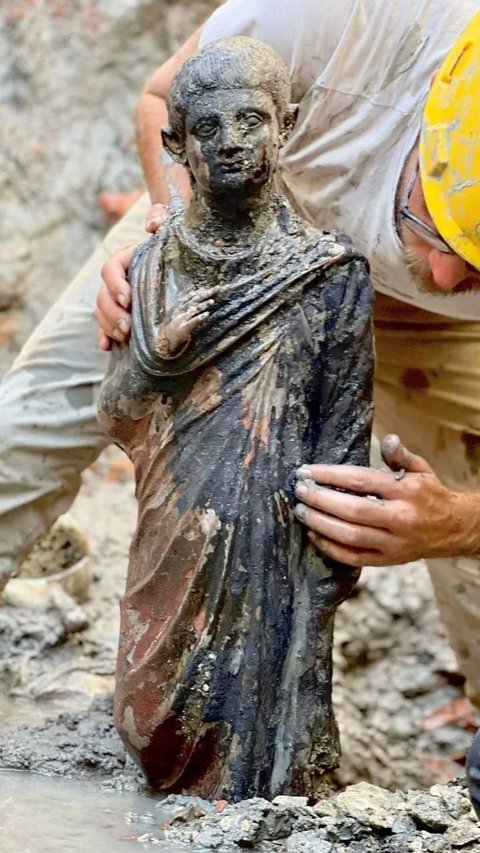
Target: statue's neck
[227, 221]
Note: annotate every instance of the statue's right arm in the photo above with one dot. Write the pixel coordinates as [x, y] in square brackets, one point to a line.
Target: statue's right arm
[114, 298]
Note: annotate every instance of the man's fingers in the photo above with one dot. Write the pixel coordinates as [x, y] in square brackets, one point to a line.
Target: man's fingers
[397, 456]
[348, 556]
[353, 478]
[114, 274]
[342, 532]
[367, 510]
[114, 321]
[104, 342]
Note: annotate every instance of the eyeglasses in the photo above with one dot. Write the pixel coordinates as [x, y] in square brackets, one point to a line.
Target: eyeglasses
[418, 226]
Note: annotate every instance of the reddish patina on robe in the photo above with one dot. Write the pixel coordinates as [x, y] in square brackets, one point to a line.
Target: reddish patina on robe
[224, 666]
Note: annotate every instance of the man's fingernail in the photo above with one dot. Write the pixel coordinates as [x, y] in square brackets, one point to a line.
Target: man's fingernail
[303, 473]
[154, 224]
[301, 489]
[124, 325]
[123, 299]
[300, 511]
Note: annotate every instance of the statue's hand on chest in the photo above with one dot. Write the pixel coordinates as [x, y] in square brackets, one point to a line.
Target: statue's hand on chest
[183, 320]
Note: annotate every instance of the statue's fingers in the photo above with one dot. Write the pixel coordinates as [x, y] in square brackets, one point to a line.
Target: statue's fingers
[192, 324]
[202, 294]
[198, 308]
[201, 307]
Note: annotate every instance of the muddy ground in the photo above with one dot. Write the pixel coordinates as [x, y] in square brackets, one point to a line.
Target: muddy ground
[398, 694]
[404, 721]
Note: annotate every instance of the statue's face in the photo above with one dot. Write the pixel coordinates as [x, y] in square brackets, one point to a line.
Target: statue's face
[232, 140]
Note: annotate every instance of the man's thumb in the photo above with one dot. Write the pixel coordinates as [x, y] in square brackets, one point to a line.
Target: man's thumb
[156, 217]
[396, 456]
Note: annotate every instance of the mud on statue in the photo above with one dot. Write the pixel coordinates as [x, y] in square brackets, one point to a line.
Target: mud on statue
[251, 353]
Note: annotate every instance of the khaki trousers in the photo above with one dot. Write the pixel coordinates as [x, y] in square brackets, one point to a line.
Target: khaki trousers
[427, 390]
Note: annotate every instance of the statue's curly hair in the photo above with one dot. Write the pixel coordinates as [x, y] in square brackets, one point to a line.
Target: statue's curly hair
[231, 63]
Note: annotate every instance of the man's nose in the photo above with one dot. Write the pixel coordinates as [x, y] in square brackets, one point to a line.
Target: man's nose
[448, 270]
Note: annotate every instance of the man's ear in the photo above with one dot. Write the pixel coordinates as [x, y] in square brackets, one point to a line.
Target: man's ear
[174, 145]
[289, 120]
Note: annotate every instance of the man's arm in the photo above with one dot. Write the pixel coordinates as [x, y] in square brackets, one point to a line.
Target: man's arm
[152, 117]
[113, 301]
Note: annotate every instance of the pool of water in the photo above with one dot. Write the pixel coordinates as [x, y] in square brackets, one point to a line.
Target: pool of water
[40, 814]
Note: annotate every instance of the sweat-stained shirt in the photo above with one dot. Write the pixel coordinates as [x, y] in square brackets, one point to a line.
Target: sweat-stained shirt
[361, 72]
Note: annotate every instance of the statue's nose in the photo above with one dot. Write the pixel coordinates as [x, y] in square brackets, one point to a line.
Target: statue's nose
[230, 143]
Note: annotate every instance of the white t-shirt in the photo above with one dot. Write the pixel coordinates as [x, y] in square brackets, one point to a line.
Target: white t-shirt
[360, 72]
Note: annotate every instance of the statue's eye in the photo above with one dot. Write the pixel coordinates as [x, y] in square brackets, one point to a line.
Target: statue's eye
[205, 130]
[253, 120]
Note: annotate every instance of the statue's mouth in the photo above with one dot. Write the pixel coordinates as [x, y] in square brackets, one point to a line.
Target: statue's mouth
[234, 167]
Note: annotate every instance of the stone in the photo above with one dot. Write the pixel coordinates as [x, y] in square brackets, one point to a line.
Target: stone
[307, 842]
[428, 812]
[84, 98]
[369, 805]
[403, 825]
[463, 834]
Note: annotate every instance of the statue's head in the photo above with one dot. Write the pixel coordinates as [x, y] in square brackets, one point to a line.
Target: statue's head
[229, 111]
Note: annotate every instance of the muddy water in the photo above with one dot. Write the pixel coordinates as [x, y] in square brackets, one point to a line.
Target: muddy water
[53, 815]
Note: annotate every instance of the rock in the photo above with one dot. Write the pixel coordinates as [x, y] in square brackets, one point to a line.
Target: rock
[463, 834]
[325, 808]
[455, 799]
[307, 842]
[66, 129]
[428, 812]
[437, 845]
[369, 805]
[403, 824]
[61, 548]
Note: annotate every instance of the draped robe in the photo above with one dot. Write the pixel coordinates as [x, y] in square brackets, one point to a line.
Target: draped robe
[224, 665]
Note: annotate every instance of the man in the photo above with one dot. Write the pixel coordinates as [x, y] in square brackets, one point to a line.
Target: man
[361, 72]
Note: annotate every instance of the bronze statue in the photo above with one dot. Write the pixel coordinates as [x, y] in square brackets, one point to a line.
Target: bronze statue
[251, 353]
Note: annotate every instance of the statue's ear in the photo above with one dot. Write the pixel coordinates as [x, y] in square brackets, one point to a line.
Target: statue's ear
[174, 145]
[289, 120]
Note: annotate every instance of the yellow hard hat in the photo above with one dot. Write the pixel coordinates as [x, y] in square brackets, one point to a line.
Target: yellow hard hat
[450, 147]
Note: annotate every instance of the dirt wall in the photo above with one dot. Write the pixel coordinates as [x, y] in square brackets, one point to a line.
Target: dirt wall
[70, 75]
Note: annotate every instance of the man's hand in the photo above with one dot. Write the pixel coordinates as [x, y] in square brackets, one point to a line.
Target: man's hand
[114, 298]
[383, 517]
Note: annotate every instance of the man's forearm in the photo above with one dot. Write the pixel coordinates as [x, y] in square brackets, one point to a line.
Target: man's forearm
[151, 117]
[466, 540]
[161, 176]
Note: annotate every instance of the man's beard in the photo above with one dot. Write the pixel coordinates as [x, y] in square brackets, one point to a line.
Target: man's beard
[420, 270]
